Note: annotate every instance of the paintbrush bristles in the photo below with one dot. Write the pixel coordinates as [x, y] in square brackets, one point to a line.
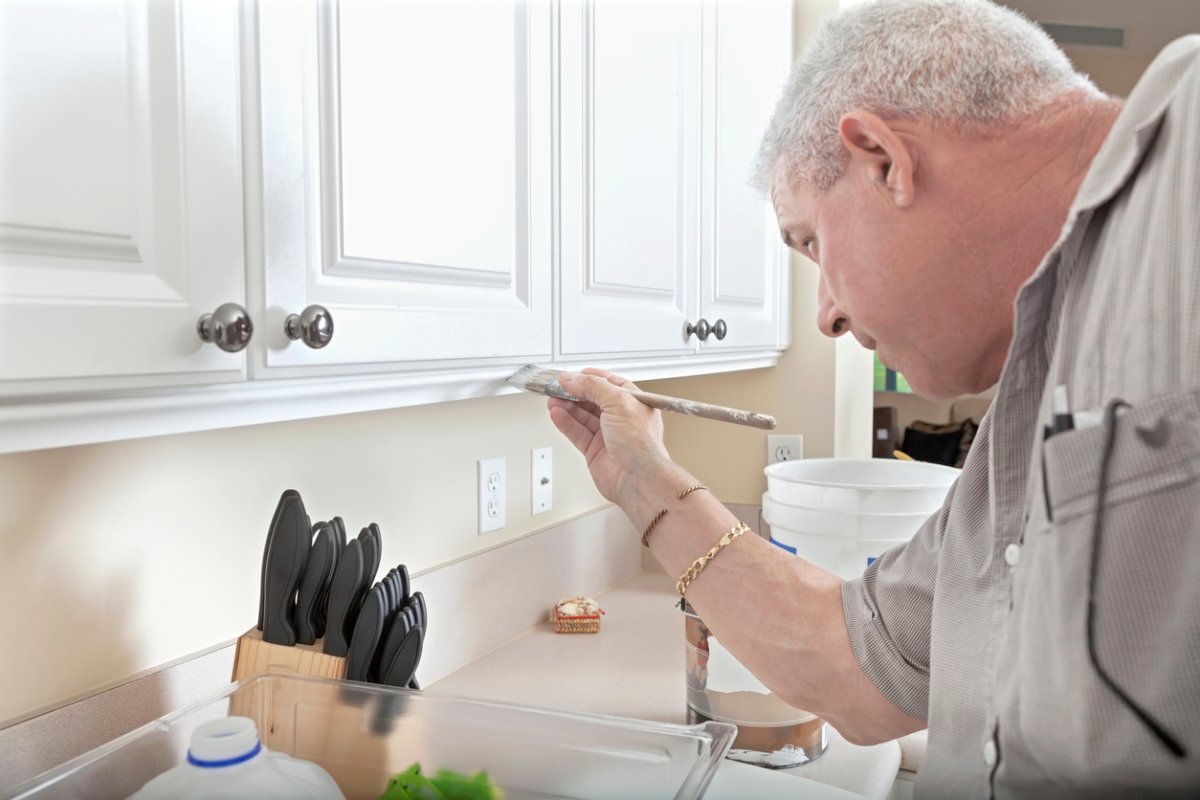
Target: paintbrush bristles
[541, 380]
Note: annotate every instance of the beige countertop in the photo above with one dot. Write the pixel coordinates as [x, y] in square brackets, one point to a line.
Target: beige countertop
[635, 668]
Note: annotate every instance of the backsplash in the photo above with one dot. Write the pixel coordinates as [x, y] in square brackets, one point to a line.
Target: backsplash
[476, 603]
[126, 556]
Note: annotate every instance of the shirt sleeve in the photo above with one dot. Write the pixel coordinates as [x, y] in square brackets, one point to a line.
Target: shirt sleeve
[889, 611]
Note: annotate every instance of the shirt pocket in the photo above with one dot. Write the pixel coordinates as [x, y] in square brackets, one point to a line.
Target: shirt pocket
[1156, 446]
[1144, 592]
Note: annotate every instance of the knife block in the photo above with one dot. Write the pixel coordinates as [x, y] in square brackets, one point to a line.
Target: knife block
[256, 657]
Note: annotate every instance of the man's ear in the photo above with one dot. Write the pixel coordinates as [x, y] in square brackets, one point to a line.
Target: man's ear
[876, 149]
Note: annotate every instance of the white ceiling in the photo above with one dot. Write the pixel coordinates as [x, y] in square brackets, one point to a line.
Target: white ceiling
[1149, 24]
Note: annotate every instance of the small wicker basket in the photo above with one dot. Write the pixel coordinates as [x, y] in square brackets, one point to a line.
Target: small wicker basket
[586, 622]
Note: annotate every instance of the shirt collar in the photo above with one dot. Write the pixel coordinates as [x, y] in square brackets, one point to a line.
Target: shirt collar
[1136, 125]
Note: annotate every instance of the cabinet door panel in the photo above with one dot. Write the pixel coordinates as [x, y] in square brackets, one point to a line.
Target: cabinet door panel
[630, 166]
[120, 211]
[406, 168]
[748, 49]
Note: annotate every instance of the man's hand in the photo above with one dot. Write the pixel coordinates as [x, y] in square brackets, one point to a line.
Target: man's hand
[620, 437]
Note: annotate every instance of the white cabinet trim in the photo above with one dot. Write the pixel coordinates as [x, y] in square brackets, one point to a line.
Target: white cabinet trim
[109, 416]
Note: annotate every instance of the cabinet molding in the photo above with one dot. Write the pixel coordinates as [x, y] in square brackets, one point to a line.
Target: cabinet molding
[106, 417]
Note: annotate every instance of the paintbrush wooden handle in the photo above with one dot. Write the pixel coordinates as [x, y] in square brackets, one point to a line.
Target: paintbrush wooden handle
[706, 410]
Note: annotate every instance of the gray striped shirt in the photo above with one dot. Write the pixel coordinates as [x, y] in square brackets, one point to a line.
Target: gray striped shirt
[979, 624]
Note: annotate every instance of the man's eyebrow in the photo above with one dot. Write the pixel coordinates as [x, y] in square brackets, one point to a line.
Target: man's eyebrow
[787, 238]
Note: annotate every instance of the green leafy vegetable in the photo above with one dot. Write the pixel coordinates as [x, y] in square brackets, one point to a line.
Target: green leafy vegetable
[412, 784]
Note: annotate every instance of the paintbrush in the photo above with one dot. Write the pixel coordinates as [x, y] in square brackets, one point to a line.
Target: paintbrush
[544, 380]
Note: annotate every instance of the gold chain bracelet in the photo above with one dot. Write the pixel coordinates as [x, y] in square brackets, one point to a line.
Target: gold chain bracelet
[700, 563]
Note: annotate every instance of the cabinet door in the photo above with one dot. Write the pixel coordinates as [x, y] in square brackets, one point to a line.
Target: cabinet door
[405, 181]
[120, 192]
[748, 49]
[630, 160]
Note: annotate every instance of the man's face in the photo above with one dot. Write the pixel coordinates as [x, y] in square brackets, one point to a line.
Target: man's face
[898, 279]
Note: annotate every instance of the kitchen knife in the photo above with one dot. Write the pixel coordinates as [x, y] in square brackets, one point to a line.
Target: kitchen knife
[393, 590]
[262, 585]
[402, 668]
[418, 601]
[317, 574]
[339, 527]
[405, 584]
[374, 529]
[321, 612]
[290, 541]
[397, 629]
[342, 599]
[371, 551]
[368, 630]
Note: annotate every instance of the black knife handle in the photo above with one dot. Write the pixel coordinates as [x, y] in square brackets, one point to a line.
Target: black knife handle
[262, 584]
[316, 574]
[343, 593]
[290, 543]
[368, 630]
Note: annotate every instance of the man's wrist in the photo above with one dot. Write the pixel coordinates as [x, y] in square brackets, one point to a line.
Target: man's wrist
[651, 489]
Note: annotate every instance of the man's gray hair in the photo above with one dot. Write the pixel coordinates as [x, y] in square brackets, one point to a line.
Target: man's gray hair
[957, 62]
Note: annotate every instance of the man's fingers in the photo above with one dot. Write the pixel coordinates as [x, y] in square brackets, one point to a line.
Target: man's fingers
[615, 380]
[576, 432]
[594, 388]
[585, 413]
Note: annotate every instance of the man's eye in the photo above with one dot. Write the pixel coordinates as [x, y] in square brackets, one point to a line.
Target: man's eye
[807, 245]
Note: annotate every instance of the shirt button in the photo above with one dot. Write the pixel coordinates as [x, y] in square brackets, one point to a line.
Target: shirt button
[1012, 554]
[989, 753]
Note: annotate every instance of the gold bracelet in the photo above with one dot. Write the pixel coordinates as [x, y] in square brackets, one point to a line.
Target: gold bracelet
[700, 563]
[663, 512]
[657, 518]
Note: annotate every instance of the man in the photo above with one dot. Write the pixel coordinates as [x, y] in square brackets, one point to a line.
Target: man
[980, 212]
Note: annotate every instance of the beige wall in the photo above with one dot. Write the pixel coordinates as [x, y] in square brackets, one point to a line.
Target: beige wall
[822, 388]
[120, 557]
[1114, 74]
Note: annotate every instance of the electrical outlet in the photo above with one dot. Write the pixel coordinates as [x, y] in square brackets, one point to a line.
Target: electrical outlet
[493, 494]
[541, 475]
[784, 447]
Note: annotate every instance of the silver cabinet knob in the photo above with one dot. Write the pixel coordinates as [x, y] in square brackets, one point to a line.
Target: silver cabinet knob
[719, 329]
[229, 327]
[701, 329]
[313, 326]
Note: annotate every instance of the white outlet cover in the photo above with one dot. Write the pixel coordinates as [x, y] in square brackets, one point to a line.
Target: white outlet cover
[541, 479]
[493, 494]
[784, 447]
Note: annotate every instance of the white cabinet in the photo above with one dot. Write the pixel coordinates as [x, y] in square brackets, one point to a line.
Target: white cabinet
[663, 106]
[743, 275]
[465, 187]
[404, 181]
[630, 144]
[120, 211]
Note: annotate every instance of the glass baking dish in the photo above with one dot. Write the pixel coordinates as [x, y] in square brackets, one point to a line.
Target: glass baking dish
[363, 734]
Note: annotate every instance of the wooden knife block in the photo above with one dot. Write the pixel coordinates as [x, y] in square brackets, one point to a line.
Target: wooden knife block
[256, 657]
[335, 736]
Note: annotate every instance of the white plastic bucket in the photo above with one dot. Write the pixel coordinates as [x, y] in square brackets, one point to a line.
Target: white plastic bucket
[866, 485]
[846, 558]
[842, 524]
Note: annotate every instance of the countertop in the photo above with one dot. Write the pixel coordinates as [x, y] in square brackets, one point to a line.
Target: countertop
[635, 668]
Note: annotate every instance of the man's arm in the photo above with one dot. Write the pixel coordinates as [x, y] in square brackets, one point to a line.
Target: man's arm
[781, 616]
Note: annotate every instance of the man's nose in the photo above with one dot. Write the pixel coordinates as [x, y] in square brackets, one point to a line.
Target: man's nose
[832, 321]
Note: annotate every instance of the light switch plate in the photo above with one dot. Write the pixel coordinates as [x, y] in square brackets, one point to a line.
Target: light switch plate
[541, 479]
[493, 494]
